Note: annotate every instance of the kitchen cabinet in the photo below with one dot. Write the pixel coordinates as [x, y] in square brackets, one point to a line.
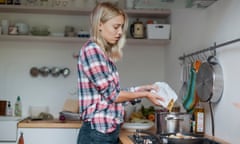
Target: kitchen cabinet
[49, 131]
[8, 129]
[49, 135]
[162, 14]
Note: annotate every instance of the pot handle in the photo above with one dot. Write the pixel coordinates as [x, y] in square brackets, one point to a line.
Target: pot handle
[173, 118]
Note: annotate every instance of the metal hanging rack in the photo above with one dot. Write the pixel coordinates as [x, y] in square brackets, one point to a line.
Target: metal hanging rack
[212, 48]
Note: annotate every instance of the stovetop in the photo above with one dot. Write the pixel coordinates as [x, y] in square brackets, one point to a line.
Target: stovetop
[147, 139]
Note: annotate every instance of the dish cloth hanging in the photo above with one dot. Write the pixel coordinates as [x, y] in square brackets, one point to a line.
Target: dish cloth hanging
[191, 99]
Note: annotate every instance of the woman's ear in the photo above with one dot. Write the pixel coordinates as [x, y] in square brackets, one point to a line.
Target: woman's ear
[100, 26]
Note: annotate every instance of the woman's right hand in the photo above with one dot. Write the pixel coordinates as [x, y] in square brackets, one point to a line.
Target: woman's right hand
[154, 98]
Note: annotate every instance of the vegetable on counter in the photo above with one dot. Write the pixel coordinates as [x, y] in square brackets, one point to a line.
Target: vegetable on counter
[143, 114]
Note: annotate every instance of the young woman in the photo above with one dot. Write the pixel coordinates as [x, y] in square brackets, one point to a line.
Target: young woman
[101, 100]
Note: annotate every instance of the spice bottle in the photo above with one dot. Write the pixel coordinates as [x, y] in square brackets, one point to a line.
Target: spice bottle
[9, 109]
[199, 117]
[21, 139]
[2, 2]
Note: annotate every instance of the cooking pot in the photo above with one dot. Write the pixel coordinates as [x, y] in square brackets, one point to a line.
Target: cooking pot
[209, 81]
[172, 122]
[55, 71]
[65, 72]
[34, 71]
[44, 71]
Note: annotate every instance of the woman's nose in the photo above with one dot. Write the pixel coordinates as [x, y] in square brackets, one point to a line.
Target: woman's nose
[120, 30]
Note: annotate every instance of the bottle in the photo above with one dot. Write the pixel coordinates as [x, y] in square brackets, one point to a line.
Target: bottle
[17, 2]
[2, 2]
[199, 117]
[9, 2]
[21, 139]
[18, 107]
[9, 109]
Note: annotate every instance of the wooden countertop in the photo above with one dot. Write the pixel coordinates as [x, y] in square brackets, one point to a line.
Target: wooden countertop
[27, 123]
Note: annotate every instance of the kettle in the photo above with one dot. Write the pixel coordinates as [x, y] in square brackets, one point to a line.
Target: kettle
[137, 29]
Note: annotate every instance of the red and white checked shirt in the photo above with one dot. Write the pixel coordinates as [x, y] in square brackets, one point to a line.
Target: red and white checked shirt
[98, 87]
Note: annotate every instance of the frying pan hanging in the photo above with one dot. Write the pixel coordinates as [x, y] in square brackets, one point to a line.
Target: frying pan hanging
[209, 81]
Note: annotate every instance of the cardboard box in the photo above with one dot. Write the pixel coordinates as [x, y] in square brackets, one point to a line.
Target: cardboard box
[158, 31]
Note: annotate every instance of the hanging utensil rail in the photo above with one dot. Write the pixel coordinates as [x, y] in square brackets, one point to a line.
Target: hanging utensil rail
[212, 48]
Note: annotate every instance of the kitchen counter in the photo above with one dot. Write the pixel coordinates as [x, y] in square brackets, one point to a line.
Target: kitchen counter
[27, 123]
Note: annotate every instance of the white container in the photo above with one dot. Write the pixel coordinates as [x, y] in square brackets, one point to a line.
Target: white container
[34, 111]
[158, 31]
[23, 28]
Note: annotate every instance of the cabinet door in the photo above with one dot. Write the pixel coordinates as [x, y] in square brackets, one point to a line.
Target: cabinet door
[49, 135]
[8, 131]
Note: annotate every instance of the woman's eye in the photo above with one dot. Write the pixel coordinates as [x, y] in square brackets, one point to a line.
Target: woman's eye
[116, 27]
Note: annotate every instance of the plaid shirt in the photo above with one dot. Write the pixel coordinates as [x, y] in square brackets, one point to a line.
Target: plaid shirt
[98, 87]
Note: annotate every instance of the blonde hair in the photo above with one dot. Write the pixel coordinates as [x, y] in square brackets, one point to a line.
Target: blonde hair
[102, 13]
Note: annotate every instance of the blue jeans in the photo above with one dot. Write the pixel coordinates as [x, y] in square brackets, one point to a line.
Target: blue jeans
[91, 136]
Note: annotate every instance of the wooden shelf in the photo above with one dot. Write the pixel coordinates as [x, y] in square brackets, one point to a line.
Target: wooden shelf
[75, 39]
[41, 38]
[157, 13]
[42, 10]
[144, 13]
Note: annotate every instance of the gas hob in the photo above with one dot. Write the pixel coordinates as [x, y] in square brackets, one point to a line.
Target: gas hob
[150, 139]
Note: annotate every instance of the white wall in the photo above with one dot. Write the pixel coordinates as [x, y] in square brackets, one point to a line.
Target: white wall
[17, 58]
[194, 30]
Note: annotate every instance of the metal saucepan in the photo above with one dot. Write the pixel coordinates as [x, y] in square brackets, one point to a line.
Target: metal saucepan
[34, 71]
[55, 71]
[172, 122]
[44, 71]
[65, 72]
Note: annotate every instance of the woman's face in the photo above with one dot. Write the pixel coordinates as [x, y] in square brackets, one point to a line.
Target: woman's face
[111, 30]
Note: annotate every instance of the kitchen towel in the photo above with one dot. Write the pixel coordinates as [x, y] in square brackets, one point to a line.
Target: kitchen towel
[191, 99]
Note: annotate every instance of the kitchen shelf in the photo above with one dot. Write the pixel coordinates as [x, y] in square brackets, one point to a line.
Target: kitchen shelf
[77, 39]
[144, 13]
[155, 13]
